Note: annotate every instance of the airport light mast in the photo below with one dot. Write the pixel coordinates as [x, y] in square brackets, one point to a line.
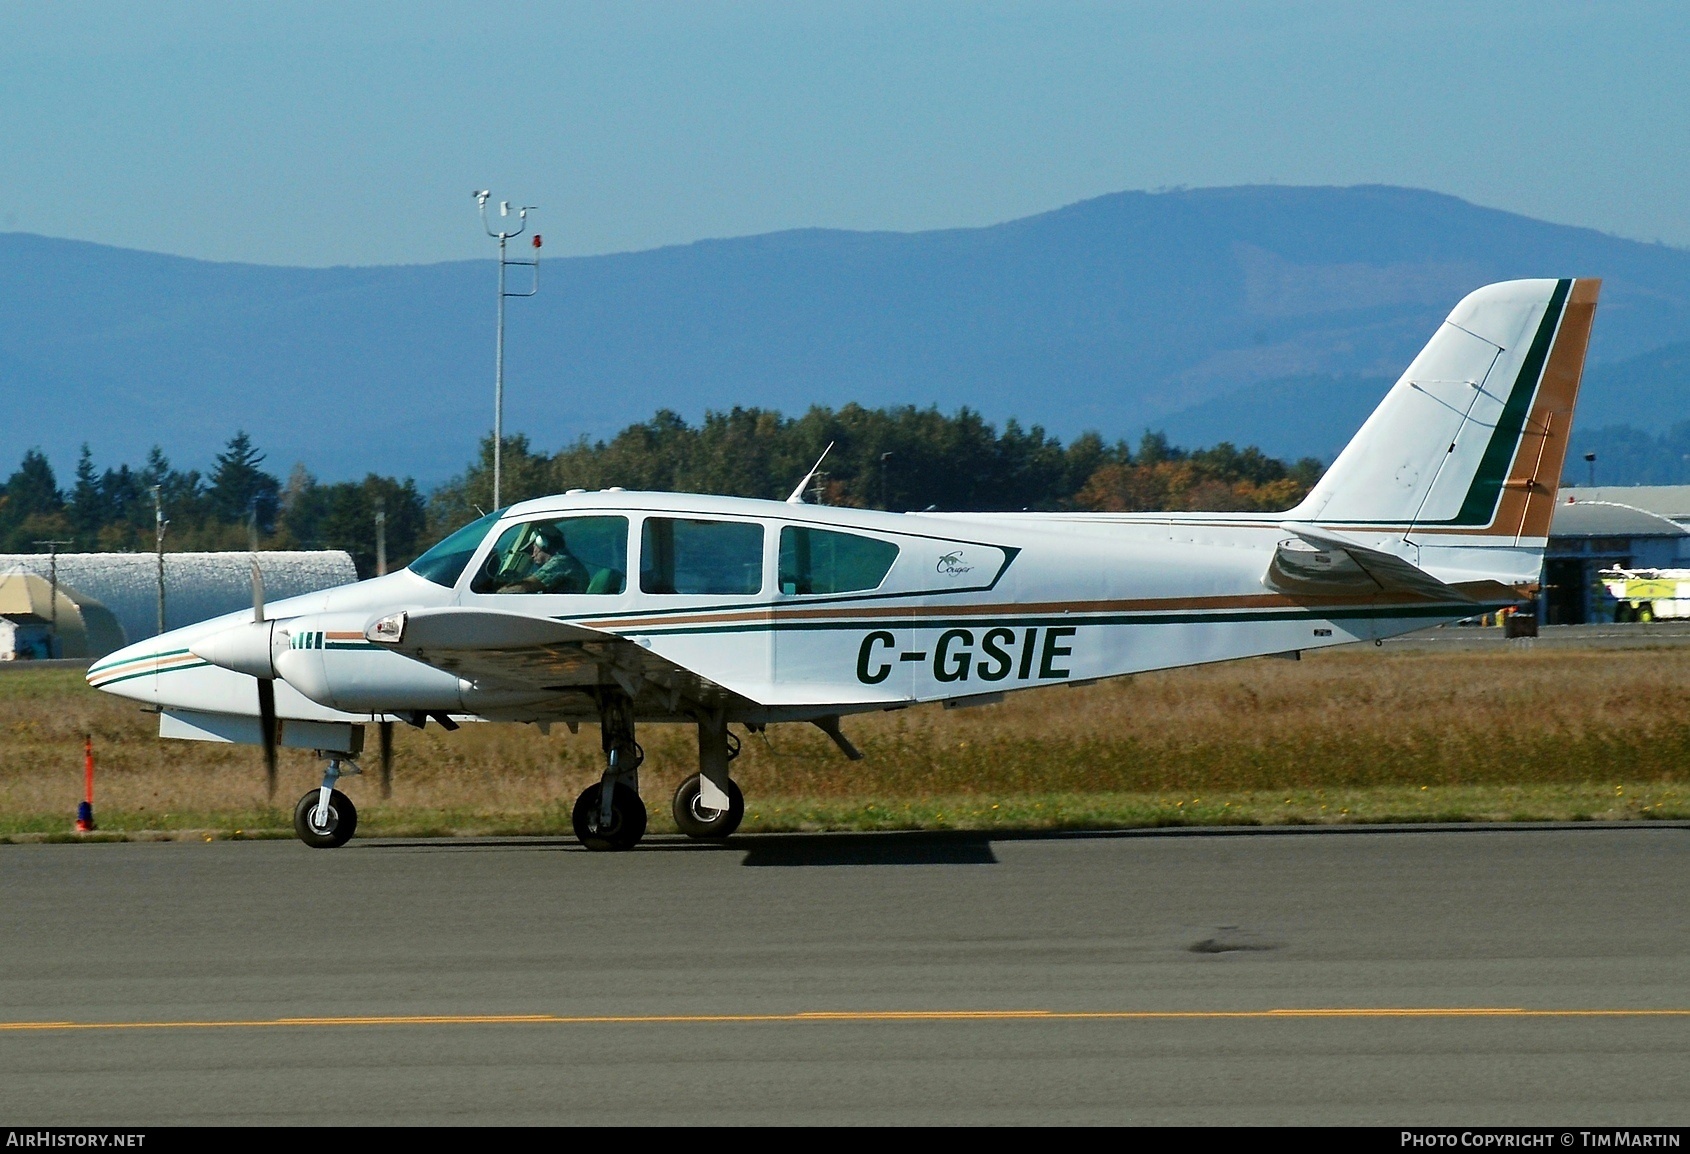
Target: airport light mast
[501, 235]
[53, 548]
[160, 524]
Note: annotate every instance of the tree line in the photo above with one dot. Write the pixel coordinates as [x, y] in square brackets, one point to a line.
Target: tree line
[900, 458]
[237, 505]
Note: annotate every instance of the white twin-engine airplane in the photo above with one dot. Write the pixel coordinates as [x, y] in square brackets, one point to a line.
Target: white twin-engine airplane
[619, 607]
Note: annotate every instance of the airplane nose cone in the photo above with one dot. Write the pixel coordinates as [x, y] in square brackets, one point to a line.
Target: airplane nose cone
[244, 648]
[128, 672]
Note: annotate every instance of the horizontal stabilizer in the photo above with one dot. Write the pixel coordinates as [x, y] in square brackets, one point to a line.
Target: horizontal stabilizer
[1319, 562]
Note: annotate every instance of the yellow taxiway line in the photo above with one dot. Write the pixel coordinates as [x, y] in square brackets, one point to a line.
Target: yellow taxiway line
[852, 1016]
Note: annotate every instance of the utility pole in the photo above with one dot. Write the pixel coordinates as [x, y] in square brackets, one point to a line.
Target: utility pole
[52, 548]
[499, 348]
[381, 537]
[159, 525]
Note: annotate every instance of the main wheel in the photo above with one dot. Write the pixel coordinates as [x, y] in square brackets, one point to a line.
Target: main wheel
[695, 819]
[337, 831]
[627, 819]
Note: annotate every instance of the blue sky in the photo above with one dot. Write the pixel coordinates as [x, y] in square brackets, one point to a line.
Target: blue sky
[317, 134]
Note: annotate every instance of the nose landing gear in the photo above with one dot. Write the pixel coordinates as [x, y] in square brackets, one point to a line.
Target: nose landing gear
[325, 818]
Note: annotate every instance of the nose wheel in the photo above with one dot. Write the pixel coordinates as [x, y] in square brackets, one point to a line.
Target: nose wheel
[325, 830]
[325, 818]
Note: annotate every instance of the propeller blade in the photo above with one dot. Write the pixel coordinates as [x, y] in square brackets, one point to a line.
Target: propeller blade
[386, 732]
[267, 724]
[257, 592]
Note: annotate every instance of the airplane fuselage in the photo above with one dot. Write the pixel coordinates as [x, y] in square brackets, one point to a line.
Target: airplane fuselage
[969, 605]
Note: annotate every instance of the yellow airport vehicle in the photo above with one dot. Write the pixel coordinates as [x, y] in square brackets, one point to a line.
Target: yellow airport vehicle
[1648, 594]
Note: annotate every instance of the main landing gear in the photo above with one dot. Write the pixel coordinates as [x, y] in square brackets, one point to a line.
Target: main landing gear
[708, 805]
[325, 818]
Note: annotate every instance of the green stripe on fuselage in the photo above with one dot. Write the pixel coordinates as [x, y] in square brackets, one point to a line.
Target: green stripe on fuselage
[153, 672]
[989, 621]
[130, 660]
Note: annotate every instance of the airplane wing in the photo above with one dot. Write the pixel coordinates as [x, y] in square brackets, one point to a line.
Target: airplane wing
[1319, 561]
[516, 651]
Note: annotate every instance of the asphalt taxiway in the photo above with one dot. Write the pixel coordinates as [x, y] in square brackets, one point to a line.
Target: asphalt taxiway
[1399, 976]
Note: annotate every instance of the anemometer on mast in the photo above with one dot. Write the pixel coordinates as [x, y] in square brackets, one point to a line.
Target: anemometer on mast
[502, 235]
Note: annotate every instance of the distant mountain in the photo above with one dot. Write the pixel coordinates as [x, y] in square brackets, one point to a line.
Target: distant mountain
[1313, 415]
[1257, 314]
[1649, 391]
[1625, 411]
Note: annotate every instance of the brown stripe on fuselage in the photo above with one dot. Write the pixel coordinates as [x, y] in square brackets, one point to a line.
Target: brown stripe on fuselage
[885, 611]
[141, 665]
[149, 659]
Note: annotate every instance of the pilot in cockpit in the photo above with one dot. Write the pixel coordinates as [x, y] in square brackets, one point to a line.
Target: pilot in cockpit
[556, 569]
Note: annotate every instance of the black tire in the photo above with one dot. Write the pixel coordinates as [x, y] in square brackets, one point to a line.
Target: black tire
[343, 821]
[627, 819]
[694, 820]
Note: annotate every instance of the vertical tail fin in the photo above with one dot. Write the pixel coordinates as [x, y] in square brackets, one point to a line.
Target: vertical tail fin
[1471, 440]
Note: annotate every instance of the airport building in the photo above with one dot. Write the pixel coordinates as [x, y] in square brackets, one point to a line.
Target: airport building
[37, 621]
[1605, 527]
[108, 600]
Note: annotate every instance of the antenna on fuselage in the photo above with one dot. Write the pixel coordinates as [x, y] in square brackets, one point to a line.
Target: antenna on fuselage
[797, 497]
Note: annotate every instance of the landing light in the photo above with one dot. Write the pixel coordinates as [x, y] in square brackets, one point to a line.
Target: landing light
[390, 629]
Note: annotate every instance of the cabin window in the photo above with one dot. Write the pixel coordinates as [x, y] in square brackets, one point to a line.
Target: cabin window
[445, 563]
[571, 555]
[719, 557]
[822, 561]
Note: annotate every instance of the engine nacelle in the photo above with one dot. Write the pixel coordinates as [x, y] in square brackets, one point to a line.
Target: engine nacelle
[326, 658]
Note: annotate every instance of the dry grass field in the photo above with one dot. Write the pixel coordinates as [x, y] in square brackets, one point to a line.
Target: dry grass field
[1345, 736]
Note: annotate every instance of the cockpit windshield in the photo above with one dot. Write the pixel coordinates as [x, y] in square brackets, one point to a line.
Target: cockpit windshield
[445, 563]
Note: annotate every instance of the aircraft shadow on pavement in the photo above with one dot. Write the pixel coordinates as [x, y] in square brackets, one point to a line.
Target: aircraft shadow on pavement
[943, 847]
[973, 847]
[873, 849]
